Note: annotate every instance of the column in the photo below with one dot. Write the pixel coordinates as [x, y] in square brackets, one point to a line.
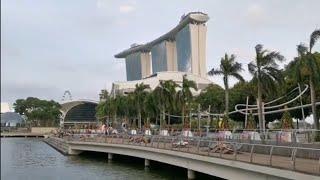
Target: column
[146, 162]
[145, 64]
[110, 156]
[191, 174]
[171, 53]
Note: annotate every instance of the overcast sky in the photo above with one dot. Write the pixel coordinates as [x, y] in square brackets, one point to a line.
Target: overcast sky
[49, 46]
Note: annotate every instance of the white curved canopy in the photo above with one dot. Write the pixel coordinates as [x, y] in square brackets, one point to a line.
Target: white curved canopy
[67, 105]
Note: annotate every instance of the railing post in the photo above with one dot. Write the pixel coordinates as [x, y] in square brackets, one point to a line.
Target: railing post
[293, 158]
[158, 142]
[173, 140]
[151, 141]
[270, 156]
[128, 142]
[319, 165]
[251, 153]
[209, 144]
[235, 151]
[220, 153]
[188, 145]
[199, 145]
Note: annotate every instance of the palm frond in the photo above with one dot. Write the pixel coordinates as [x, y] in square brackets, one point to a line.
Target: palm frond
[258, 48]
[213, 72]
[252, 68]
[238, 76]
[274, 56]
[315, 35]
[302, 49]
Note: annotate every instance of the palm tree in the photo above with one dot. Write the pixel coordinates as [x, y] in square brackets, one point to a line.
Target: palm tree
[104, 94]
[184, 96]
[159, 92]
[228, 68]
[151, 107]
[265, 73]
[101, 111]
[139, 95]
[307, 68]
[131, 109]
[167, 95]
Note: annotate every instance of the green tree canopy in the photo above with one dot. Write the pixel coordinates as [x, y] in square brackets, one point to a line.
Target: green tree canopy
[39, 112]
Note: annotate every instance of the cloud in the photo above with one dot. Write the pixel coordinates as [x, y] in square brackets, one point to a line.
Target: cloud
[10, 91]
[126, 8]
[255, 15]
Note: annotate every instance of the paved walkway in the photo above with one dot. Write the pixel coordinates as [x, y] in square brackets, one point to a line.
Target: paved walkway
[309, 166]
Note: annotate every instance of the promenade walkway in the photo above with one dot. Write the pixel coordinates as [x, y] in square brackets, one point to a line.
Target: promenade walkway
[297, 159]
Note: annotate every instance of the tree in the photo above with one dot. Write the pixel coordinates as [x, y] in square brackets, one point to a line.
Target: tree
[307, 68]
[286, 120]
[225, 122]
[151, 107]
[228, 68]
[251, 122]
[39, 112]
[184, 96]
[104, 95]
[139, 95]
[238, 95]
[265, 73]
[212, 95]
[101, 111]
[167, 93]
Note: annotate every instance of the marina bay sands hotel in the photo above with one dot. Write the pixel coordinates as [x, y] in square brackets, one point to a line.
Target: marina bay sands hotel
[181, 51]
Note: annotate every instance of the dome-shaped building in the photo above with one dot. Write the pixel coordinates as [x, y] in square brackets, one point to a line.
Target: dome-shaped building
[11, 119]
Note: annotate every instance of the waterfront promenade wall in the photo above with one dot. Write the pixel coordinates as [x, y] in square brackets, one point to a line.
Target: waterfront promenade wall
[43, 130]
[59, 144]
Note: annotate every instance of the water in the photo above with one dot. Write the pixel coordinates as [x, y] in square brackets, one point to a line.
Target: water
[32, 159]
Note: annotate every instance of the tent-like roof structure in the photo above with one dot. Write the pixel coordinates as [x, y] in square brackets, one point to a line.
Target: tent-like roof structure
[12, 118]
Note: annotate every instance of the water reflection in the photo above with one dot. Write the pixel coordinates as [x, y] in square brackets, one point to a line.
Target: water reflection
[24, 158]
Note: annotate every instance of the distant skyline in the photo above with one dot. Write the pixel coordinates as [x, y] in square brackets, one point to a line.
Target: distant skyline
[49, 46]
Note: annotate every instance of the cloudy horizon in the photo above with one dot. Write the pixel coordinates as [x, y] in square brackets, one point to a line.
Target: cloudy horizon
[51, 46]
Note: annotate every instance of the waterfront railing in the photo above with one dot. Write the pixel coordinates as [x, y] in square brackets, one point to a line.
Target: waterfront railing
[295, 158]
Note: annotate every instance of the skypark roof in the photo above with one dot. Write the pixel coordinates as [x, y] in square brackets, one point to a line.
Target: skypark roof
[192, 17]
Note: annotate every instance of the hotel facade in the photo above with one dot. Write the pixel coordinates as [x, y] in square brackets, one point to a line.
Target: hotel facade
[181, 51]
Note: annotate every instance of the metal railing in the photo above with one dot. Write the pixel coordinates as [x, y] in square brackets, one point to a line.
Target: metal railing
[271, 136]
[301, 159]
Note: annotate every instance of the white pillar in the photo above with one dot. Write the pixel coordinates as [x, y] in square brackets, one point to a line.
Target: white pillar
[146, 162]
[246, 118]
[110, 156]
[191, 174]
[263, 119]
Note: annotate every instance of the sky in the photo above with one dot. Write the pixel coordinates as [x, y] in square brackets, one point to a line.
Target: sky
[50, 46]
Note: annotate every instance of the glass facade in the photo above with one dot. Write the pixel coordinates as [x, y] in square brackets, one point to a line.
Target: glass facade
[159, 57]
[82, 112]
[133, 67]
[183, 43]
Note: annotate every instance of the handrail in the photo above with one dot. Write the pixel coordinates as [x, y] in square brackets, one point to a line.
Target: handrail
[199, 145]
